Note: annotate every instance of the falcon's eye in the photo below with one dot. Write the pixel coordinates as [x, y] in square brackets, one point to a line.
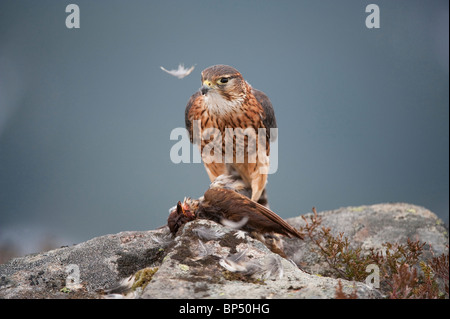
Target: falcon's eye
[223, 80]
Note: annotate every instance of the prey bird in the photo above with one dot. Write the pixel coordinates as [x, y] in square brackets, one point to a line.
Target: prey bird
[225, 200]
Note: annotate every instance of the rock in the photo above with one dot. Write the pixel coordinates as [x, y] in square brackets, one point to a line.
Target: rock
[207, 260]
[195, 269]
[93, 266]
[371, 226]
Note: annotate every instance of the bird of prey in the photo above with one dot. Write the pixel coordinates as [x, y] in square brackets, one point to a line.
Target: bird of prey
[229, 104]
[225, 200]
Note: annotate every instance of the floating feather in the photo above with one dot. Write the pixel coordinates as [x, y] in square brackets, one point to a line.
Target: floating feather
[181, 72]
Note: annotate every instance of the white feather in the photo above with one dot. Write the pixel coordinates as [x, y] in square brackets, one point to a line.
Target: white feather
[240, 234]
[237, 263]
[202, 251]
[273, 267]
[232, 266]
[181, 72]
[220, 106]
[234, 225]
[162, 239]
[208, 233]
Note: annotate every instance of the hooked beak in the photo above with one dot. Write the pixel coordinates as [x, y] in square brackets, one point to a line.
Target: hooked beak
[204, 89]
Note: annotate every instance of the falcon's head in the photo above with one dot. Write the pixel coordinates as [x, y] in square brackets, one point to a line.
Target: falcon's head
[223, 88]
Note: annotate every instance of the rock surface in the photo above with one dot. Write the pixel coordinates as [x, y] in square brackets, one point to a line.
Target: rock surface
[207, 260]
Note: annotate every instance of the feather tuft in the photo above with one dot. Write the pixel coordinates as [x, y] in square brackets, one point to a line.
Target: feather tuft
[181, 72]
[234, 225]
[208, 233]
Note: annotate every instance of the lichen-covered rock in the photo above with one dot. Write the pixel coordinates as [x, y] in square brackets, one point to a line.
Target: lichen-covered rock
[83, 270]
[370, 227]
[232, 267]
[207, 260]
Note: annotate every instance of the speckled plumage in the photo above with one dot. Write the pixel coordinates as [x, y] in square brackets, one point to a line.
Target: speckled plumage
[234, 105]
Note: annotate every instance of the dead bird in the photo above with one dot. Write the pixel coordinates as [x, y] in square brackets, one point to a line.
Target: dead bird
[225, 201]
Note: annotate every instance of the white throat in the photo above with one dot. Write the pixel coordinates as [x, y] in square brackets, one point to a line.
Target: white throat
[218, 105]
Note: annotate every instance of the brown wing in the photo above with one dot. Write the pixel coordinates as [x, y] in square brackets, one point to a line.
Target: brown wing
[269, 119]
[191, 108]
[225, 203]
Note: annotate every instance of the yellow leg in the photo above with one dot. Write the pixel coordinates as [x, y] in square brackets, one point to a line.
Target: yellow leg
[258, 184]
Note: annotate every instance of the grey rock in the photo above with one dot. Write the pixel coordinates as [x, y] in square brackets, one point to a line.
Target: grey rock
[86, 269]
[189, 272]
[370, 227]
[207, 260]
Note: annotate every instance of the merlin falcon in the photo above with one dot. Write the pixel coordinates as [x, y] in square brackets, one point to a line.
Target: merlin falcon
[229, 115]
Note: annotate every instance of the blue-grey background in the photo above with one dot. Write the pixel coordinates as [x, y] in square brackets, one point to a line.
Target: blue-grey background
[86, 114]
